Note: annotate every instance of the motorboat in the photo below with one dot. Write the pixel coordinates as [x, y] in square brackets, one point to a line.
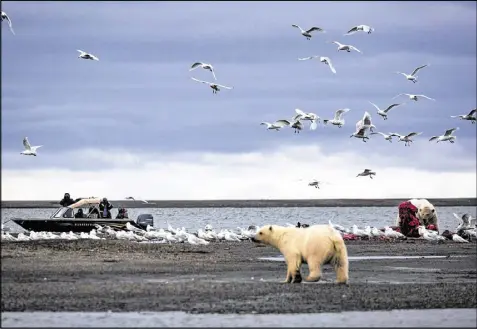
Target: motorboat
[70, 218]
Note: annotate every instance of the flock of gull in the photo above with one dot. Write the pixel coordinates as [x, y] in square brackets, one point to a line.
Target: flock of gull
[465, 231]
[364, 127]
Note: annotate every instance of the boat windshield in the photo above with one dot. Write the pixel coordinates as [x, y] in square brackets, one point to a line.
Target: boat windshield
[64, 212]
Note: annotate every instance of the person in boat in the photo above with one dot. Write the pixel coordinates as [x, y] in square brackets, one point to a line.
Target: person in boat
[105, 208]
[79, 214]
[122, 214]
[93, 212]
[67, 200]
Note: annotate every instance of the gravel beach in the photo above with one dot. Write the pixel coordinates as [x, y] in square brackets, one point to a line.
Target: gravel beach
[229, 277]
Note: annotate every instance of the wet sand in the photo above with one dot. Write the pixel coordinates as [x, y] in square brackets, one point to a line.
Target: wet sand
[226, 277]
[452, 202]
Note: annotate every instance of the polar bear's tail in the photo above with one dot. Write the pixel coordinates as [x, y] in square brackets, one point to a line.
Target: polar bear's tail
[340, 260]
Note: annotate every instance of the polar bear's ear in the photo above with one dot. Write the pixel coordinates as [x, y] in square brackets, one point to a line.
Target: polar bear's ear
[270, 227]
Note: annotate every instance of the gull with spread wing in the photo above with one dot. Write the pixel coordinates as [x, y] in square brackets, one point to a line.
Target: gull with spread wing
[300, 115]
[348, 48]
[86, 55]
[142, 200]
[414, 97]
[307, 33]
[316, 183]
[214, 86]
[297, 125]
[384, 113]
[322, 59]
[360, 132]
[205, 66]
[448, 136]
[407, 138]
[365, 28]
[386, 137]
[29, 150]
[471, 116]
[413, 77]
[277, 125]
[465, 222]
[9, 21]
[365, 122]
[338, 119]
[367, 172]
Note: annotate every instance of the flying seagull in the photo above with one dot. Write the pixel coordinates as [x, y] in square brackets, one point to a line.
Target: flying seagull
[448, 136]
[322, 59]
[360, 133]
[348, 48]
[143, 201]
[367, 172]
[277, 125]
[297, 125]
[414, 97]
[9, 21]
[29, 150]
[384, 113]
[307, 33]
[338, 118]
[316, 183]
[214, 86]
[365, 122]
[86, 55]
[386, 137]
[300, 115]
[364, 28]
[407, 138]
[205, 66]
[413, 77]
[471, 116]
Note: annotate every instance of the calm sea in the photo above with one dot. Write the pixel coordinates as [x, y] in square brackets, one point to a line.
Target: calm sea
[195, 218]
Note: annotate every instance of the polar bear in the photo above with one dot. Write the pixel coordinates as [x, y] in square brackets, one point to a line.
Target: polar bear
[316, 245]
[426, 213]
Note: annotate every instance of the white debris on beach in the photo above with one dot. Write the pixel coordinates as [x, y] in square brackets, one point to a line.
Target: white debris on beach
[200, 237]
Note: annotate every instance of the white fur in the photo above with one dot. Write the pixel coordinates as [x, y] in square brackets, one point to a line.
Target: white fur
[315, 245]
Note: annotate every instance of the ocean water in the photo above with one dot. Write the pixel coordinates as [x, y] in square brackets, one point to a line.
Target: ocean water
[195, 218]
[451, 318]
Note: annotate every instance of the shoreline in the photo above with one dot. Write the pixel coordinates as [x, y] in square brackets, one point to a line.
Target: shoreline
[229, 277]
[438, 202]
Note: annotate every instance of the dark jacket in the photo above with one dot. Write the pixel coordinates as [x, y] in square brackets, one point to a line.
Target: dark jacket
[122, 214]
[93, 213]
[65, 202]
[106, 205]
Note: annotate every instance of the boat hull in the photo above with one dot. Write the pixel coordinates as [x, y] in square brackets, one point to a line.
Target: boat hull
[75, 225]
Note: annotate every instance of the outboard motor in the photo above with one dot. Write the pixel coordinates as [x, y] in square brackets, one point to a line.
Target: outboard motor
[145, 219]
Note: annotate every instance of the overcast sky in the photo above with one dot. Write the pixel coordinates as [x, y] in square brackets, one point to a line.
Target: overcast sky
[134, 123]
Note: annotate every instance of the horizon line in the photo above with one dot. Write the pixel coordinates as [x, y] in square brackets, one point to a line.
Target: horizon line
[208, 200]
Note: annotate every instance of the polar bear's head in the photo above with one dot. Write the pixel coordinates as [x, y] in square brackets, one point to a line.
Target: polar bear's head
[266, 234]
[426, 213]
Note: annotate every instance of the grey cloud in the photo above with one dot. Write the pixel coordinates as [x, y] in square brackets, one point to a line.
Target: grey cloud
[380, 153]
[140, 96]
[196, 20]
